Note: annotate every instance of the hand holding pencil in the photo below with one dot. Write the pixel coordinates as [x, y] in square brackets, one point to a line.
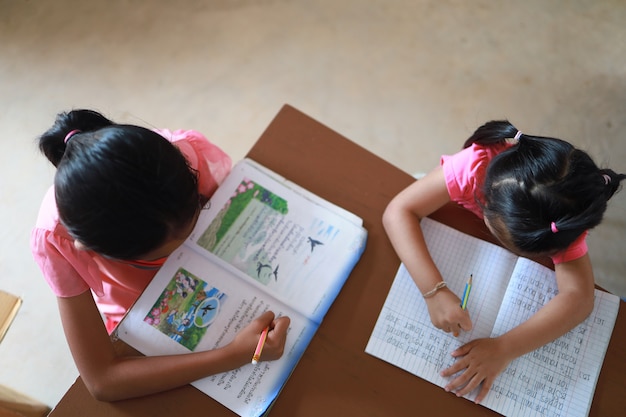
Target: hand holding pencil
[445, 313]
[464, 299]
[266, 336]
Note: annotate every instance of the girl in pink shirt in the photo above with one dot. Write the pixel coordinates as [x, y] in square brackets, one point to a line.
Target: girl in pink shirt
[538, 196]
[124, 198]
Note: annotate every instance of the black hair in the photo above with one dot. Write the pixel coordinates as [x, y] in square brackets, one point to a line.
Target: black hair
[538, 181]
[121, 190]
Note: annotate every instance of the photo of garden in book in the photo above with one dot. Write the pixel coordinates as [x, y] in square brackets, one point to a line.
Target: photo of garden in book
[185, 309]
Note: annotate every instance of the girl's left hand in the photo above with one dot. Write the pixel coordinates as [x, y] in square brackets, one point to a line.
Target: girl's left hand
[480, 360]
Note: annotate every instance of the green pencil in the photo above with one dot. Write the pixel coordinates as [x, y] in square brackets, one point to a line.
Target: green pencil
[466, 292]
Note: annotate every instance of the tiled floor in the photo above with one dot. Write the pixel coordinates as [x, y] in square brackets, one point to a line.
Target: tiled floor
[407, 79]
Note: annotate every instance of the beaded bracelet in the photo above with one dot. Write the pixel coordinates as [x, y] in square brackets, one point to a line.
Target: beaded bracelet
[432, 292]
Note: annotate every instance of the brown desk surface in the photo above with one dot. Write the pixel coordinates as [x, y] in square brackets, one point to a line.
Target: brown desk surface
[335, 377]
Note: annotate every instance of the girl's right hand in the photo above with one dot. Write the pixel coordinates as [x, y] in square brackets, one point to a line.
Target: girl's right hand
[247, 339]
[446, 313]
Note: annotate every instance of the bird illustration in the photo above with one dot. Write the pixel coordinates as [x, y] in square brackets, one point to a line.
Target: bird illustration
[206, 309]
[260, 267]
[276, 273]
[313, 243]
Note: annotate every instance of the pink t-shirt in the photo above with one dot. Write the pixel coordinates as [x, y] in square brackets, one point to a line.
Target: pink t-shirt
[465, 173]
[115, 284]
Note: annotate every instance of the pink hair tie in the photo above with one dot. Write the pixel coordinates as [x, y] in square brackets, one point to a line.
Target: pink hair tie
[518, 135]
[553, 227]
[69, 135]
[607, 179]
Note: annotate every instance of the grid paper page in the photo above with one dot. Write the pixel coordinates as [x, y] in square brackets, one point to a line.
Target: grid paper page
[405, 337]
[558, 379]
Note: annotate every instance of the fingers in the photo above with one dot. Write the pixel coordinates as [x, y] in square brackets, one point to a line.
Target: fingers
[463, 350]
[278, 333]
[483, 391]
[454, 329]
[456, 325]
[475, 364]
[268, 319]
[456, 367]
[468, 384]
[466, 324]
[264, 320]
[276, 338]
[465, 382]
[281, 324]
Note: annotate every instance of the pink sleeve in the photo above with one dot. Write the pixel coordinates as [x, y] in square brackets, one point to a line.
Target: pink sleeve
[574, 251]
[464, 173]
[460, 171]
[211, 162]
[66, 269]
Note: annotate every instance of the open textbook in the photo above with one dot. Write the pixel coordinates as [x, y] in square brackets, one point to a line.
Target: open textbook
[261, 243]
[556, 380]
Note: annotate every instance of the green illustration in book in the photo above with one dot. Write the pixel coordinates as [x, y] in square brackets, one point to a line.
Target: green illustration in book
[253, 233]
[185, 309]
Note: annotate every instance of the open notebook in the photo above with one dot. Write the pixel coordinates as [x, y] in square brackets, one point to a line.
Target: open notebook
[557, 379]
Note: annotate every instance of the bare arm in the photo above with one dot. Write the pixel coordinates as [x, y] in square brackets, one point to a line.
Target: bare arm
[401, 220]
[110, 378]
[484, 359]
[566, 310]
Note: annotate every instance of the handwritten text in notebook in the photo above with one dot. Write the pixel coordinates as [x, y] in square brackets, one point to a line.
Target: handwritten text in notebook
[556, 380]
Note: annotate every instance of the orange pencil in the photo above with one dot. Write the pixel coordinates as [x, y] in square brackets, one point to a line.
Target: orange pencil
[259, 346]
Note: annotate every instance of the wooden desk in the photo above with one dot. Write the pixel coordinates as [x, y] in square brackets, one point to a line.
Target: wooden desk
[335, 377]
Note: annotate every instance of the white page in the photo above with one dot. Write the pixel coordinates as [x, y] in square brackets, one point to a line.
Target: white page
[230, 305]
[558, 379]
[313, 198]
[298, 251]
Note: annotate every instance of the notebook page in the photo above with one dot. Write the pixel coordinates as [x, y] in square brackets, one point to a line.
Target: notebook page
[558, 379]
[404, 335]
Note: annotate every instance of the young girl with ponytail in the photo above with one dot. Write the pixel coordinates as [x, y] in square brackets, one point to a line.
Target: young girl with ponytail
[538, 196]
[124, 198]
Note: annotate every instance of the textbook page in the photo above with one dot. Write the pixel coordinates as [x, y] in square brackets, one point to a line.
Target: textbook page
[300, 249]
[193, 305]
[349, 216]
[500, 299]
[260, 243]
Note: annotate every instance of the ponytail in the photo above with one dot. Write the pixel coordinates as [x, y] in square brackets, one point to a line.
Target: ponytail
[53, 142]
[121, 190]
[542, 193]
[612, 181]
[495, 131]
